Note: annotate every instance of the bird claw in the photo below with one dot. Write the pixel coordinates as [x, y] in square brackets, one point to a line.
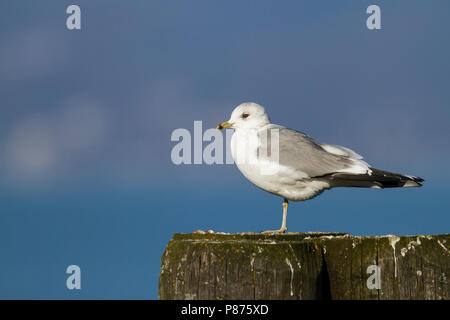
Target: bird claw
[281, 231]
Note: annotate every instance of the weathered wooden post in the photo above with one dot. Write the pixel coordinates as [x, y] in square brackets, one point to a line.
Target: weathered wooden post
[305, 266]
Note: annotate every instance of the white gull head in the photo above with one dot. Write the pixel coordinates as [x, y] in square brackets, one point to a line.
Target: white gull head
[248, 115]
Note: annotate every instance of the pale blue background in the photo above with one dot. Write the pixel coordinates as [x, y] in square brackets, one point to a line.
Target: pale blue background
[86, 118]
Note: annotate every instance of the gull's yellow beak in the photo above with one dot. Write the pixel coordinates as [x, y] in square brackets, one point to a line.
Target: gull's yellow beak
[224, 125]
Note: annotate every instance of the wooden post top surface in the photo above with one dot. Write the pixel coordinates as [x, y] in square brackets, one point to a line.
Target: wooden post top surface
[251, 236]
[310, 265]
[290, 236]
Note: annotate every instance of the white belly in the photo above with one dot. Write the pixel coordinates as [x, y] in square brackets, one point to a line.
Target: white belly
[284, 182]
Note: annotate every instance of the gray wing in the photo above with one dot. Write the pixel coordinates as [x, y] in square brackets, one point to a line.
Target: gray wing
[302, 153]
[340, 165]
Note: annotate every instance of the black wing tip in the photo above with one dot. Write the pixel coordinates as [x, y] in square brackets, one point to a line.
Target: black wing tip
[415, 179]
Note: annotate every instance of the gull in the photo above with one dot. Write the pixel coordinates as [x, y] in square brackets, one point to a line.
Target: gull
[290, 164]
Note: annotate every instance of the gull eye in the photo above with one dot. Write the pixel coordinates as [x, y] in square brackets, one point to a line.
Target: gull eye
[245, 115]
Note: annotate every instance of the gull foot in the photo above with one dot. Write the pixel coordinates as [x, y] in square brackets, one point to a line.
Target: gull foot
[204, 232]
[282, 230]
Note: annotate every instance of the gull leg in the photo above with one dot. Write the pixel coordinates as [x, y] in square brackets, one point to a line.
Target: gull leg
[283, 223]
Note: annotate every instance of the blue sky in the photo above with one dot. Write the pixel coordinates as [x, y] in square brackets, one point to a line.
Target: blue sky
[86, 119]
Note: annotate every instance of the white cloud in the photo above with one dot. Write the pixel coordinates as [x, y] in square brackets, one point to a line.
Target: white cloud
[41, 145]
[30, 148]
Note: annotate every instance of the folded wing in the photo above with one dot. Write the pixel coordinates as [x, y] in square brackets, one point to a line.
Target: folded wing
[303, 154]
[339, 165]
